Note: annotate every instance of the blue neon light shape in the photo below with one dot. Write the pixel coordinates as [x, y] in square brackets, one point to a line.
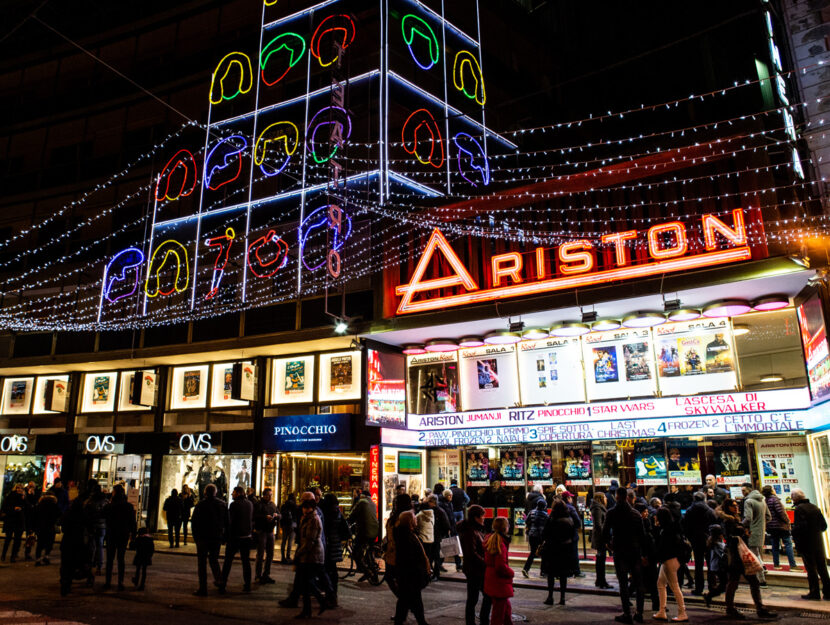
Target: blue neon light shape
[116, 271]
[313, 127]
[474, 154]
[319, 218]
[224, 151]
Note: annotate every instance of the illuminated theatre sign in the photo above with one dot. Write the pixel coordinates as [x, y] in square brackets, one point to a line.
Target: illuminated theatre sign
[576, 262]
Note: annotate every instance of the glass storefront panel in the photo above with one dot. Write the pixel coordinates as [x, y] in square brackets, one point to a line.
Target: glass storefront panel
[820, 460]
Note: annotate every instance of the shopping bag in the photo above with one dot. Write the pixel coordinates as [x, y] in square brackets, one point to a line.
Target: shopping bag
[752, 565]
[450, 547]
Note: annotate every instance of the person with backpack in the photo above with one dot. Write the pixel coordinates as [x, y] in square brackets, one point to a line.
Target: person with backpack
[460, 499]
[778, 528]
[670, 552]
[534, 528]
[557, 551]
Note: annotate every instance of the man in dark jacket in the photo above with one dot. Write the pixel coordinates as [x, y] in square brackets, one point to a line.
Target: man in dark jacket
[695, 525]
[611, 495]
[173, 511]
[441, 530]
[208, 524]
[240, 537]
[364, 516]
[471, 533]
[719, 493]
[599, 511]
[624, 535]
[808, 526]
[577, 521]
[14, 521]
[265, 520]
[61, 495]
[460, 499]
[532, 499]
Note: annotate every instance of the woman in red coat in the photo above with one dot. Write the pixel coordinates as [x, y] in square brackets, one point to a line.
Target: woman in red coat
[498, 576]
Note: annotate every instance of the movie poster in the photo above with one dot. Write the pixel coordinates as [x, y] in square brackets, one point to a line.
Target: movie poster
[489, 377]
[478, 468]
[17, 394]
[718, 354]
[512, 467]
[294, 377]
[636, 361]
[241, 472]
[684, 463]
[814, 340]
[691, 355]
[605, 364]
[668, 361]
[606, 461]
[488, 374]
[539, 467]
[550, 371]
[433, 384]
[784, 464]
[695, 357]
[101, 390]
[341, 374]
[650, 463]
[227, 383]
[52, 470]
[577, 461]
[191, 385]
[731, 461]
[385, 389]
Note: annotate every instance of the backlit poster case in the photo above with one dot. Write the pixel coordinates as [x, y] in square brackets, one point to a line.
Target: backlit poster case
[386, 390]
[650, 463]
[731, 461]
[295, 377]
[489, 377]
[52, 470]
[814, 340]
[478, 468]
[227, 383]
[340, 378]
[100, 389]
[577, 464]
[784, 464]
[619, 364]
[432, 381]
[17, 393]
[512, 467]
[684, 463]
[695, 357]
[191, 385]
[606, 463]
[57, 395]
[539, 467]
[550, 371]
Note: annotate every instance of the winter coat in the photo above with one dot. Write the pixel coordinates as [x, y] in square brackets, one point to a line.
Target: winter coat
[459, 499]
[611, 495]
[778, 516]
[530, 502]
[598, 513]
[624, 532]
[576, 520]
[261, 511]
[119, 517]
[173, 508]
[390, 553]
[310, 541]
[535, 524]
[412, 568]
[442, 524]
[471, 536]
[14, 512]
[336, 531]
[557, 550]
[498, 576]
[808, 526]
[144, 550]
[240, 519]
[47, 513]
[62, 496]
[668, 542]
[426, 526]
[364, 515]
[288, 515]
[94, 512]
[717, 557]
[446, 506]
[696, 523]
[733, 531]
[209, 520]
[188, 501]
[756, 516]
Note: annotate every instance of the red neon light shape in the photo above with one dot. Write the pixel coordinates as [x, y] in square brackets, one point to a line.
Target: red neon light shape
[576, 252]
[182, 158]
[713, 225]
[423, 118]
[681, 244]
[618, 239]
[348, 31]
[263, 268]
[224, 244]
[512, 271]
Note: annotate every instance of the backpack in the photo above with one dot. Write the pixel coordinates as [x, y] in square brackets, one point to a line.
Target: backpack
[684, 554]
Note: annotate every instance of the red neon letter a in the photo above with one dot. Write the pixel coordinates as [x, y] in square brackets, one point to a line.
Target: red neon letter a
[416, 285]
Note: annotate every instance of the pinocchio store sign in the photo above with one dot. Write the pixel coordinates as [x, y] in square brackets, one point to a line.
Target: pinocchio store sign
[576, 262]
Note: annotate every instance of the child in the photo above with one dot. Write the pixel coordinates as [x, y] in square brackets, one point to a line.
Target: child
[498, 576]
[144, 549]
[717, 563]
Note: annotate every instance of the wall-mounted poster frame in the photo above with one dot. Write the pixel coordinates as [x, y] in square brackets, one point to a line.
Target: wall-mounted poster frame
[147, 379]
[98, 392]
[488, 377]
[340, 376]
[550, 371]
[619, 363]
[60, 392]
[189, 387]
[222, 386]
[292, 380]
[17, 395]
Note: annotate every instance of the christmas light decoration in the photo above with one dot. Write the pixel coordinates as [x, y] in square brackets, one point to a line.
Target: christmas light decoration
[233, 61]
[472, 156]
[224, 161]
[332, 24]
[412, 25]
[169, 248]
[267, 268]
[464, 60]
[116, 272]
[320, 220]
[282, 131]
[342, 129]
[293, 43]
[189, 179]
[417, 120]
[224, 244]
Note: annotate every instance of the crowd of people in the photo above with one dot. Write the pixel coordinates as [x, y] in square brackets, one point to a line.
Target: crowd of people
[652, 543]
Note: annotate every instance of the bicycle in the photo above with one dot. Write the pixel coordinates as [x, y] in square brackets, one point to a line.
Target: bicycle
[373, 565]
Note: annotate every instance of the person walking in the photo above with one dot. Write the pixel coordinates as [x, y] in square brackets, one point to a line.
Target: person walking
[119, 517]
[266, 517]
[208, 525]
[498, 576]
[47, 514]
[756, 516]
[460, 500]
[188, 501]
[696, 522]
[778, 529]
[577, 521]
[471, 533]
[14, 521]
[400, 504]
[364, 516]
[239, 538]
[426, 532]
[808, 526]
[75, 561]
[445, 503]
[557, 550]
[534, 527]
[735, 532]
[599, 510]
[532, 499]
[60, 494]
[289, 515]
[718, 570]
[144, 549]
[336, 532]
[624, 536]
[30, 495]
[651, 563]
[94, 506]
[309, 557]
[173, 510]
[670, 553]
[441, 530]
[412, 569]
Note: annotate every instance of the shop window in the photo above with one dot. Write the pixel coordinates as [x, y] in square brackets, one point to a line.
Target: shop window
[769, 350]
[330, 472]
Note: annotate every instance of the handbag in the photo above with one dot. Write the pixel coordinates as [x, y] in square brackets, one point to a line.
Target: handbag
[450, 547]
[752, 565]
[540, 550]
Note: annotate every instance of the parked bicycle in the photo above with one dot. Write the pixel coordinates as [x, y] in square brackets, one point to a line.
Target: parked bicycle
[371, 567]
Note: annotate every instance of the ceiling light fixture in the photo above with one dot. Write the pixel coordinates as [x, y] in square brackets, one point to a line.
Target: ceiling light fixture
[534, 334]
[727, 308]
[569, 328]
[644, 319]
[772, 377]
[441, 345]
[604, 325]
[471, 341]
[502, 337]
[771, 302]
[413, 349]
[684, 314]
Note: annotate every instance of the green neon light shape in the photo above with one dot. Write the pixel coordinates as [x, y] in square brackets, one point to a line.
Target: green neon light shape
[425, 31]
[292, 42]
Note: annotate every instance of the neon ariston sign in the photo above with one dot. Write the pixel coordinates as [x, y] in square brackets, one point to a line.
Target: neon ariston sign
[576, 263]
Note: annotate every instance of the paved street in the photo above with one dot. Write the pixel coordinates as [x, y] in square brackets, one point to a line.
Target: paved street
[29, 595]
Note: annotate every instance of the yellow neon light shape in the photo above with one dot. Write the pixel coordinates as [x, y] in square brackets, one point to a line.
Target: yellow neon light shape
[175, 248]
[246, 76]
[462, 59]
[261, 146]
[270, 3]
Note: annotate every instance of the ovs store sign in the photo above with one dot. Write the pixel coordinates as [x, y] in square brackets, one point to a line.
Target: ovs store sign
[196, 443]
[331, 432]
[100, 444]
[14, 444]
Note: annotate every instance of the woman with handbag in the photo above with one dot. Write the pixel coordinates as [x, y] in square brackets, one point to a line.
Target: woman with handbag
[738, 558]
[557, 550]
[778, 527]
[498, 576]
[670, 552]
[411, 569]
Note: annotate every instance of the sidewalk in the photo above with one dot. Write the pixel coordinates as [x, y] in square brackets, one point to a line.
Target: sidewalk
[784, 592]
